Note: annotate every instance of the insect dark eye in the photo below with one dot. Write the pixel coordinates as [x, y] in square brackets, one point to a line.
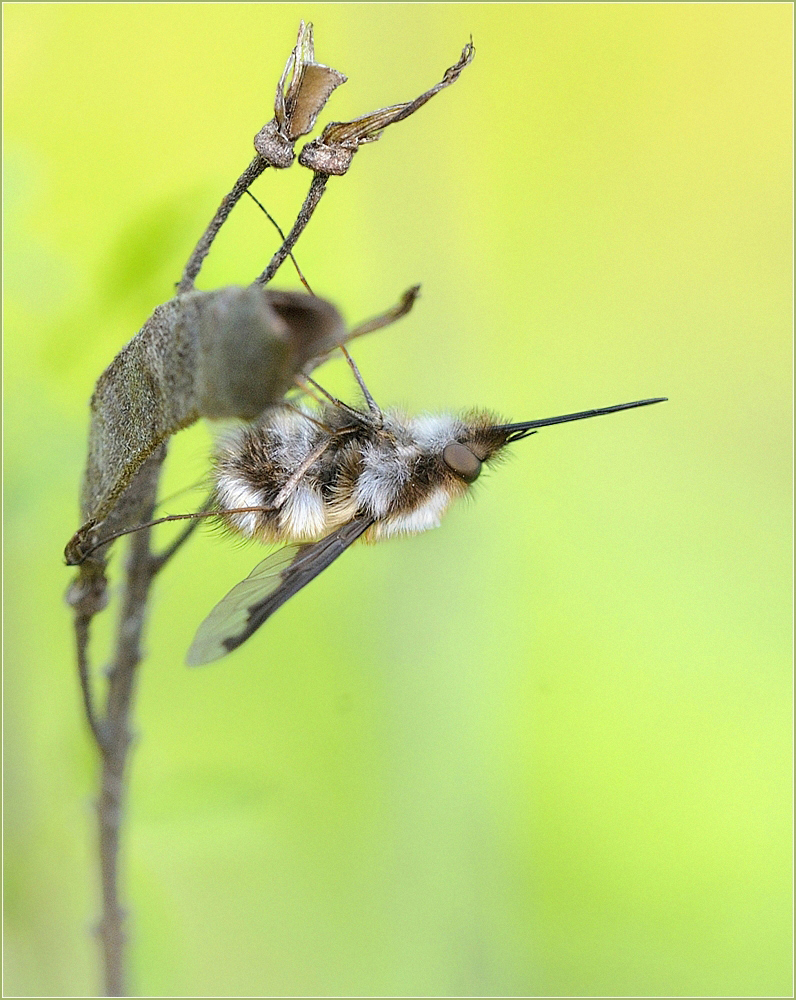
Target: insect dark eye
[461, 461]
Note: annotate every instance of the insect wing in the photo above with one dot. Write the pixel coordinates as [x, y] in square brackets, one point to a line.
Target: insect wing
[276, 579]
[230, 615]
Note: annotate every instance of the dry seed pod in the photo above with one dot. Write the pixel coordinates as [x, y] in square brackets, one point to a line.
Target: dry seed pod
[295, 112]
[226, 353]
[296, 108]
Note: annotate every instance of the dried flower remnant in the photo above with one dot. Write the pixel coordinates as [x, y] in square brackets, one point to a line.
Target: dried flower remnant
[295, 113]
[333, 151]
[296, 108]
[331, 154]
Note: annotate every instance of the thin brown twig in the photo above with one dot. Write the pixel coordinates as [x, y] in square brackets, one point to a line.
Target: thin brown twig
[82, 623]
[279, 229]
[388, 317]
[314, 195]
[115, 745]
[228, 202]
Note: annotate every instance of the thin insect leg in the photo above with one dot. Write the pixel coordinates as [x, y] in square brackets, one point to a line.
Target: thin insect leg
[163, 520]
[147, 524]
[312, 420]
[295, 477]
[332, 399]
[372, 405]
[356, 414]
[314, 195]
[278, 228]
[333, 432]
[159, 559]
[301, 384]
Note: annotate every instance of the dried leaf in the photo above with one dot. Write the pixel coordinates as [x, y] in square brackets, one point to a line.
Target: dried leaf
[226, 353]
[333, 151]
[297, 106]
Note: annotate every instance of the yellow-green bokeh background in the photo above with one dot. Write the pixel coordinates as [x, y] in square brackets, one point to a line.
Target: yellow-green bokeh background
[544, 750]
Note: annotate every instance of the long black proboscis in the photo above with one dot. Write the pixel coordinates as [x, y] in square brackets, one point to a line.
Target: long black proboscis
[518, 431]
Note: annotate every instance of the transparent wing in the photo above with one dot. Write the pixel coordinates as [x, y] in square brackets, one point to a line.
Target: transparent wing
[276, 579]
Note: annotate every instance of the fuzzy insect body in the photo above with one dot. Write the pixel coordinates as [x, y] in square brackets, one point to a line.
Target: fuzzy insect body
[311, 471]
[317, 480]
[320, 479]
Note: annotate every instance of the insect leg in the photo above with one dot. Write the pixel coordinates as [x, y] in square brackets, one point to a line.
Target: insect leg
[278, 228]
[372, 405]
[295, 477]
[358, 415]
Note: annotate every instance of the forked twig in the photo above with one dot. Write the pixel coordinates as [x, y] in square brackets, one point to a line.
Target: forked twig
[228, 202]
[279, 229]
[129, 498]
[314, 195]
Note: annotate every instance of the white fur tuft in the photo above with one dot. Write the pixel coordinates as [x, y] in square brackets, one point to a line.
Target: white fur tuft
[433, 431]
[384, 473]
[303, 514]
[427, 515]
[235, 492]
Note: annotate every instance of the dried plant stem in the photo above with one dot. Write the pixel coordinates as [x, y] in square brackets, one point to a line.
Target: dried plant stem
[408, 299]
[279, 229]
[82, 623]
[314, 195]
[112, 732]
[228, 202]
[295, 113]
[159, 561]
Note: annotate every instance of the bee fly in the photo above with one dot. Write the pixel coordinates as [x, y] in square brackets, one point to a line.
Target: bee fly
[319, 478]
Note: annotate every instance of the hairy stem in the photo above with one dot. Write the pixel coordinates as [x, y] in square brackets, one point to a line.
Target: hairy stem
[228, 202]
[314, 195]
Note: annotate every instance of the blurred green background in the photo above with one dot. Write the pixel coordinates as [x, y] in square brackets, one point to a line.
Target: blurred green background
[544, 750]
